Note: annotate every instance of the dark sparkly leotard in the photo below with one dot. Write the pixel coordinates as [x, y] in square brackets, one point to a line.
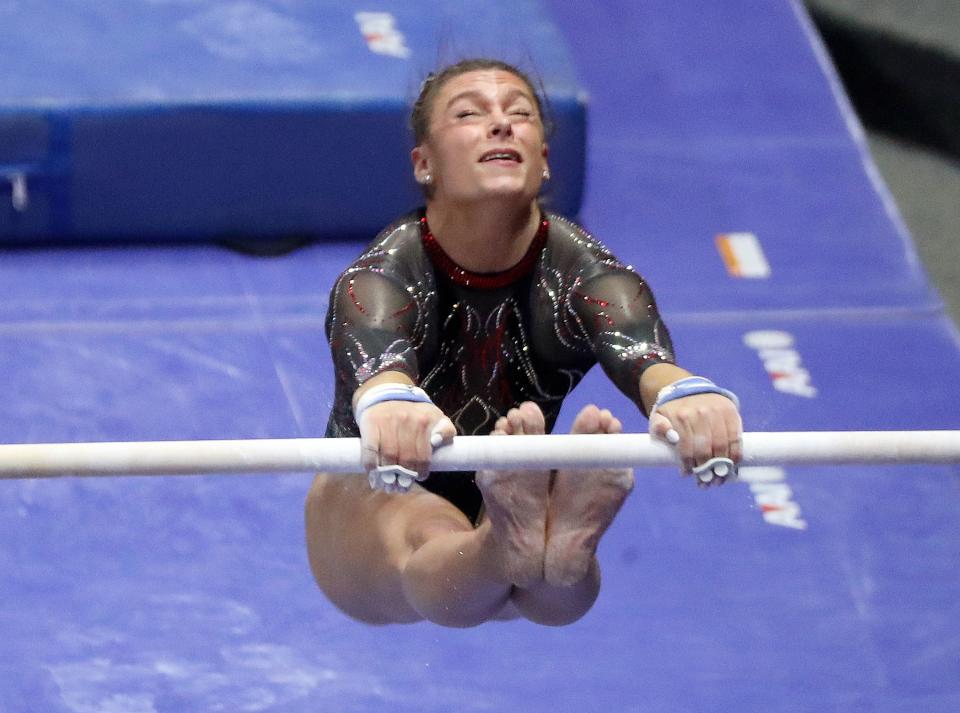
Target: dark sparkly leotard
[481, 344]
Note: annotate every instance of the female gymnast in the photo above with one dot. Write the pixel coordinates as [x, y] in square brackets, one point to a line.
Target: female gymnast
[479, 314]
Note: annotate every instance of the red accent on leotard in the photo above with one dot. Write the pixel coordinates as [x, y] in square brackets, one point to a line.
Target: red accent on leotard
[484, 280]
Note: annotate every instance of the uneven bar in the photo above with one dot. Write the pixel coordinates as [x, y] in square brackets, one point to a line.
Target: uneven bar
[466, 453]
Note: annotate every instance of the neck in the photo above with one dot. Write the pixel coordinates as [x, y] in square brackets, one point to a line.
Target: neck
[484, 238]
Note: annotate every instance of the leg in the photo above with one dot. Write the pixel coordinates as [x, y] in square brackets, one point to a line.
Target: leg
[518, 506]
[582, 506]
[515, 504]
[385, 558]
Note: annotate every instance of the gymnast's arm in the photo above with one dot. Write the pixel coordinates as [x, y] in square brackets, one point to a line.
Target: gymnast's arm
[372, 329]
[633, 346]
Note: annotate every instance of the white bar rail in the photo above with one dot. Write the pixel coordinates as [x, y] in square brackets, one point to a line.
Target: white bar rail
[342, 455]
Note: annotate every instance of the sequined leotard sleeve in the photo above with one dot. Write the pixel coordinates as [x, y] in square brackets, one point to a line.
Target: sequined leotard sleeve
[377, 316]
[605, 306]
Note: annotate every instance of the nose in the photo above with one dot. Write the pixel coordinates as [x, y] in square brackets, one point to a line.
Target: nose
[500, 124]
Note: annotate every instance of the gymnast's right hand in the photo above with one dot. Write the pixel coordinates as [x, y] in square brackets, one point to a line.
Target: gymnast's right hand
[399, 428]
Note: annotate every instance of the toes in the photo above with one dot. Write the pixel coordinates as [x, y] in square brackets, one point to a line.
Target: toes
[533, 421]
[514, 421]
[526, 419]
[592, 419]
[609, 423]
[587, 421]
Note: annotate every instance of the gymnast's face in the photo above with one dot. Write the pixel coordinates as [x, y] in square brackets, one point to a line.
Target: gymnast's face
[486, 139]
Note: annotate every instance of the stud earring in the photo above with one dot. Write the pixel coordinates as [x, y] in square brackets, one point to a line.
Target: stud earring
[425, 180]
[546, 174]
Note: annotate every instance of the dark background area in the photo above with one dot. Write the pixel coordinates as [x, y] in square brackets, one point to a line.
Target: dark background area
[900, 63]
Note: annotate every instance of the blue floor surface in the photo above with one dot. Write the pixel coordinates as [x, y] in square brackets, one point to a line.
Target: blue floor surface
[798, 589]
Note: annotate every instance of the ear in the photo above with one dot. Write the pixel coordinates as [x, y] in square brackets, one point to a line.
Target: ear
[420, 158]
[545, 152]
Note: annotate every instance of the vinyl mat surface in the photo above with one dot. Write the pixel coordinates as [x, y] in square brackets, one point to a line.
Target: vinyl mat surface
[724, 165]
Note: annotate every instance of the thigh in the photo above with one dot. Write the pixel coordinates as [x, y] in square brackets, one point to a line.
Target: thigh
[359, 540]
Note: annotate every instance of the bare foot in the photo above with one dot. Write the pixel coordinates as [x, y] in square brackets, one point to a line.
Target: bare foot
[516, 504]
[583, 503]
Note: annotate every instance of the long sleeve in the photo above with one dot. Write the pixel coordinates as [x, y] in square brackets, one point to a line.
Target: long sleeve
[371, 328]
[618, 315]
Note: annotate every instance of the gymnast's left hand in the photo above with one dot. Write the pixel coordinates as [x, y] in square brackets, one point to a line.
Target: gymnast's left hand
[702, 427]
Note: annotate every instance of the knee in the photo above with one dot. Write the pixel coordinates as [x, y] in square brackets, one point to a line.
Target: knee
[551, 605]
[436, 526]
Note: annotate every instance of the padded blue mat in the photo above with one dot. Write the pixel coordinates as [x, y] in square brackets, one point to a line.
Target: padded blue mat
[796, 589]
[719, 117]
[224, 118]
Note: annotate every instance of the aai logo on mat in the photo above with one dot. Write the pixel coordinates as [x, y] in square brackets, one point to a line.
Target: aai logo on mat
[773, 496]
[782, 362]
[382, 36]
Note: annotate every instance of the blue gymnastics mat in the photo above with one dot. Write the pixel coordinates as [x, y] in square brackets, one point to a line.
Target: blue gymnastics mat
[796, 589]
[800, 589]
[223, 118]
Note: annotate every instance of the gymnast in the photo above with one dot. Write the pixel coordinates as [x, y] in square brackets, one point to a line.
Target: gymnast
[477, 315]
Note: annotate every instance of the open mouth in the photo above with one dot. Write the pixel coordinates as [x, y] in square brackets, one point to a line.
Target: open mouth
[501, 155]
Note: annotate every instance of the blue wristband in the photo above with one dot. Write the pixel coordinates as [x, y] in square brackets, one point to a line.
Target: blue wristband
[691, 386]
[389, 392]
